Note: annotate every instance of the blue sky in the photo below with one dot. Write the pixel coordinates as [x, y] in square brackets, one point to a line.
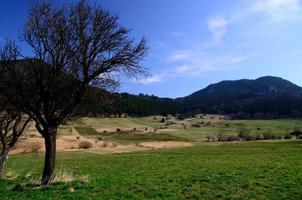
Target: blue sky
[194, 43]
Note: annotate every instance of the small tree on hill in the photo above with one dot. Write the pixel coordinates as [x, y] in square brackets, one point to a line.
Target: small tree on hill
[74, 48]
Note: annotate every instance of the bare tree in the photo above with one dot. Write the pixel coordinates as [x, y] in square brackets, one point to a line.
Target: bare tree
[12, 125]
[75, 48]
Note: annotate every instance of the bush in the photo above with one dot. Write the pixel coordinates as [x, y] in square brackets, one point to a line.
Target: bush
[268, 136]
[258, 137]
[34, 147]
[118, 130]
[232, 138]
[243, 132]
[211, 138]
[287, 137]
[197, 125]
[85, 145]
[279, 137]
[296, 133]
[163, 120]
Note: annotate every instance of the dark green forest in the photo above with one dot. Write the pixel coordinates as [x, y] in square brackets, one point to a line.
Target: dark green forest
[263, 98]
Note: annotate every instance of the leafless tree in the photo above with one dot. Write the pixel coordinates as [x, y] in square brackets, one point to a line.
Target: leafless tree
[74, 48]
[12, 125]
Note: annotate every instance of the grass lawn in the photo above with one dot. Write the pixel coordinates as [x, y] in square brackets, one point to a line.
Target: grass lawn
[251, 170]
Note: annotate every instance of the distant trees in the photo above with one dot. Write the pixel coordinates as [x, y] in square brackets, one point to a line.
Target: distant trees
[74, 48]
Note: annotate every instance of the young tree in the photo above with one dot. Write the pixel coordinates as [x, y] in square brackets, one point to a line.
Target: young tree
[75, 48]
[12, 125]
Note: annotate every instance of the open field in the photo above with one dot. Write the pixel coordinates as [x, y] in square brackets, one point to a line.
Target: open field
[152, 158]
[131, 134]
[180, 129]
[250, 170]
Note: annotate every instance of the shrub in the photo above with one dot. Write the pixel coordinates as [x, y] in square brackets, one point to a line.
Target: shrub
[35, 147]
[258, 137]
[296, 133]
[211, 138]
[243, 132]
[248, 137]
[85, 145]
[118, 130]
[232, 138]
[279, 137]
[196, 125]
[268, 136]
[163, 120]
[287, 137]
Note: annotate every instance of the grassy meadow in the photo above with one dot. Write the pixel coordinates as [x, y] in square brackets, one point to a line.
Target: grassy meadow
[207, 170]
[255, 170]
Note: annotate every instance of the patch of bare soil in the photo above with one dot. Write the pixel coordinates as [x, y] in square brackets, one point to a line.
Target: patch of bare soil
[80, 143]
[65, 143]
[164, 144]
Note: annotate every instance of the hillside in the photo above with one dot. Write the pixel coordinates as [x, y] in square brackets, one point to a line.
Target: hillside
[263, 97]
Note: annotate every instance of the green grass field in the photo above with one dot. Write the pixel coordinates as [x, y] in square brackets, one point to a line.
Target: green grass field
[250, 170]
[88, 126]
[208, 170]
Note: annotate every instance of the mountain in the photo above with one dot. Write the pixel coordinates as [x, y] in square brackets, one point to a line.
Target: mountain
[263, 97]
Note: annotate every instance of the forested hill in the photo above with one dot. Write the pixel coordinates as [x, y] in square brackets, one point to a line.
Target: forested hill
[265, 97]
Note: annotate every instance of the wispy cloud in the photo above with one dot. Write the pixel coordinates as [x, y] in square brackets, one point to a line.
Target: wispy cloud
[217, 25]
[273, 10]
[161, 44]
[152, 79]
[178, 55]
[177, 33]
[197, 66]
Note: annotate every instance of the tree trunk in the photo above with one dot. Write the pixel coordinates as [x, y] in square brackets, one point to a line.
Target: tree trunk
[3, 159]
[50, 156]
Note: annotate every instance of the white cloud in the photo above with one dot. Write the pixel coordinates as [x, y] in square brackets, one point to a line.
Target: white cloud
[198, 65]
[277, 10]
[194, 70]
[178, 55]
[177, 33]
[161, 44]
[218, 27]
[273, 5]
[151, 79]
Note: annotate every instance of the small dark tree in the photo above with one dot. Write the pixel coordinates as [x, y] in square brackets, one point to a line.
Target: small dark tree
[12, 126]
[75, 48]
[296, 133]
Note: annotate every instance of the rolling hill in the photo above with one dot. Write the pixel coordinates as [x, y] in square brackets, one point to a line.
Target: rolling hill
[263, 97]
